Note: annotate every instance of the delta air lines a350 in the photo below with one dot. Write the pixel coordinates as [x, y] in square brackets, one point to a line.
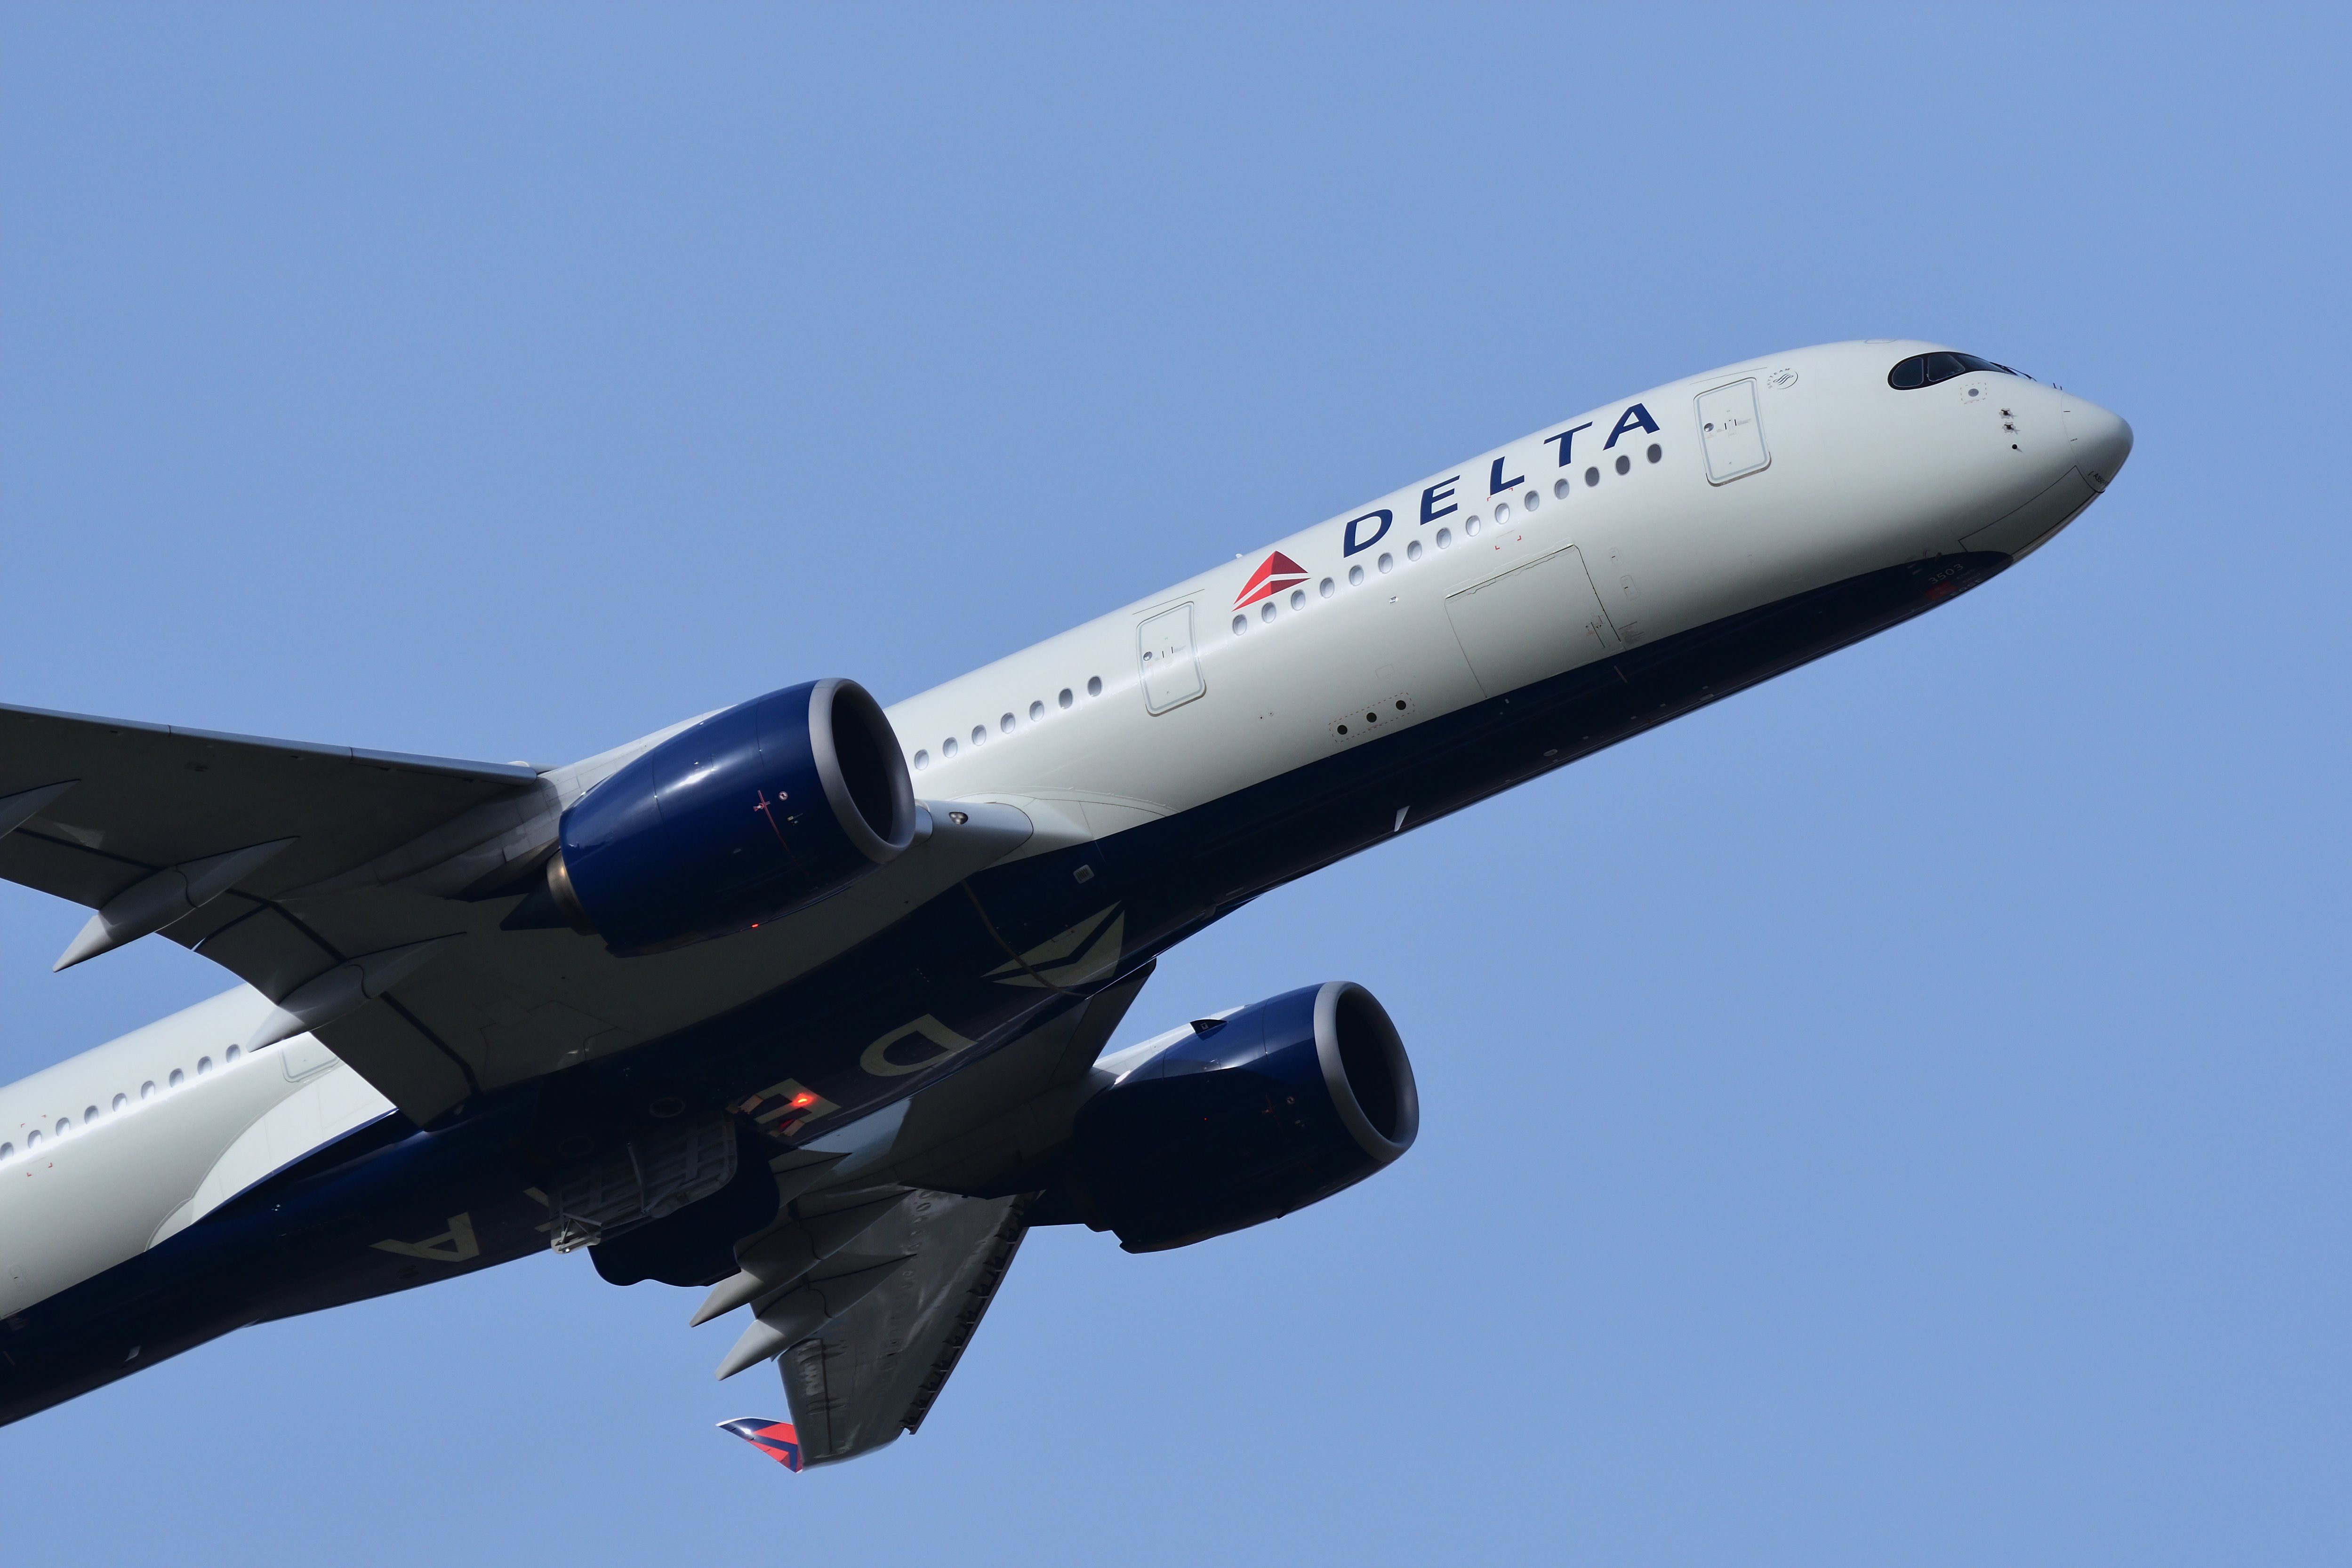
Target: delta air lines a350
[803, 1002]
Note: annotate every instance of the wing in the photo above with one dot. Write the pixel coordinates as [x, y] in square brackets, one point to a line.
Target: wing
[325, 876]
[211, 839]
[873, 1372]
[115, 801]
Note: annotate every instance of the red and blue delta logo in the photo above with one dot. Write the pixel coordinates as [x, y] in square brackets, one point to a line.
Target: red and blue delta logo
[1275, 573]
[777, 1439]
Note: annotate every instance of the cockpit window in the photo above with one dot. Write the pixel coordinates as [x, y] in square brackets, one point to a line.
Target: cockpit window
[1926, 370]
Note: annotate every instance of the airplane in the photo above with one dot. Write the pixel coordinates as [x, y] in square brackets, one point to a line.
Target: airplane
[804, 1002]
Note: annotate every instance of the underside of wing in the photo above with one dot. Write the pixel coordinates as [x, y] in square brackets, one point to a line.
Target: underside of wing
[325, 877]
[873, 1372]
[129, 799]
[221, 842]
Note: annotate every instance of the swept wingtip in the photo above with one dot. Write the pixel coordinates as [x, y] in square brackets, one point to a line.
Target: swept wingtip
[777, 1439]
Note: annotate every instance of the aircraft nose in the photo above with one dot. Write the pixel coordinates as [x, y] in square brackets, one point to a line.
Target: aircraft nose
[2101, 441]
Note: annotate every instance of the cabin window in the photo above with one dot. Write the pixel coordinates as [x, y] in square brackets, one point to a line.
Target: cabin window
[1927, 370]
[1241, 624]
[1624, 464]
[203, 1065]
[1094, 686]
[1413, 550]
[1036, 712]
[1444, 538]
[1355, 577]
[1066, 699]
[1266, 611]
[1298, 599]
[147, 1090]
[177, 1078]
[33, 1140]
[1326, 588]
[7, 1151]
[1655, 452]
[1591, 477]
[121, 1102]
[947, 747]
[922, 761]
[1387, 562]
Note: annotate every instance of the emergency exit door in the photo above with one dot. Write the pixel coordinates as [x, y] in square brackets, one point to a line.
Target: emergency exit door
[1171, 675]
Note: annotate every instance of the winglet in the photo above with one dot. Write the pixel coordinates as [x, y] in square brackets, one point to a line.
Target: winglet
[777, 1439]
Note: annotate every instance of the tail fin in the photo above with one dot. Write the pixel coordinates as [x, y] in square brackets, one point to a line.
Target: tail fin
[777, 1439]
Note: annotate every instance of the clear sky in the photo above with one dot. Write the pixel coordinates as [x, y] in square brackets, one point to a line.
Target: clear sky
[1899, 1116]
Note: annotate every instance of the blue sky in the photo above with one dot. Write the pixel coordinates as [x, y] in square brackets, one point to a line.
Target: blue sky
[1896, 1115]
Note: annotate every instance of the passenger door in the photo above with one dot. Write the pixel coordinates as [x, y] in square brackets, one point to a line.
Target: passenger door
[1730, 433]
[1171, 675]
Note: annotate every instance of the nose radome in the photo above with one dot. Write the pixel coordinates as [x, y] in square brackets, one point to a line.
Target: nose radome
[2101, 441]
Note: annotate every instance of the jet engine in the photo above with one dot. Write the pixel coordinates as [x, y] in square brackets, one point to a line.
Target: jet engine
[1244, 1119]
[750, 814]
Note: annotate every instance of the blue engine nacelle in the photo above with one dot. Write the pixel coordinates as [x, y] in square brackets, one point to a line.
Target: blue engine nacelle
[750, 814]
[1249, 1117]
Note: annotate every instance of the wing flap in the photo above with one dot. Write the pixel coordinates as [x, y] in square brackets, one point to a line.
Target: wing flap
[38, 855]
[403, 1057]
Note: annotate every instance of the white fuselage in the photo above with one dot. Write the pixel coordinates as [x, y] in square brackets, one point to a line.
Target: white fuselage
[117, 1150]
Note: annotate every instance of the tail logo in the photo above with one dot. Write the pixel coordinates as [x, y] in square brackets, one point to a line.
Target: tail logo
[1275, 573]
[777, 1439]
